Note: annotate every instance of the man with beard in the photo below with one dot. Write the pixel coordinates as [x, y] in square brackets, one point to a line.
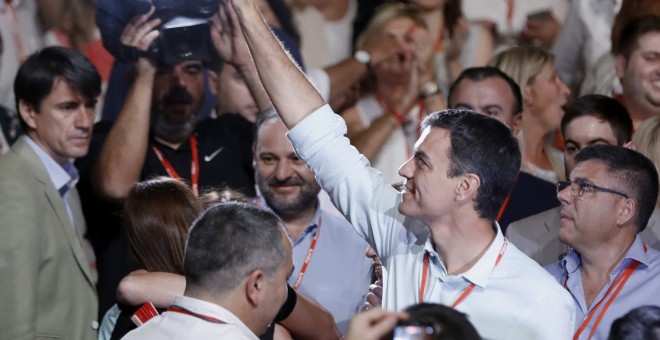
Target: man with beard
[328, 255]
[164, 136]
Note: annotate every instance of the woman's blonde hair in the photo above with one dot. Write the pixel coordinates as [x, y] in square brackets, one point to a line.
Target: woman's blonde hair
[647, 141]
[522, 63]
[384, 14]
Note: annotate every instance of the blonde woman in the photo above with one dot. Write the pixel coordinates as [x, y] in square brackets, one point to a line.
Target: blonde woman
[383, 125]
[647, 142]
[544, 95]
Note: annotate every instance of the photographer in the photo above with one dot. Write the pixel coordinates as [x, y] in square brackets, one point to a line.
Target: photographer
[159, 132]
[165, 135]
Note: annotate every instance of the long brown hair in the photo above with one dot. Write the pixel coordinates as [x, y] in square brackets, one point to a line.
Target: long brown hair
[157, 216]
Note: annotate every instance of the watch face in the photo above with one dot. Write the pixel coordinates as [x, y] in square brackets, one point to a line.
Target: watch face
[362, 57]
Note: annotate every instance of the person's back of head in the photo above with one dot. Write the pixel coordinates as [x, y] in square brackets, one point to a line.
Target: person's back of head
[605, 109]
[483, 146]
[631, 168]
[647, 141]
[157, 216]
[641, 323]
[234, 246]
[441, 322]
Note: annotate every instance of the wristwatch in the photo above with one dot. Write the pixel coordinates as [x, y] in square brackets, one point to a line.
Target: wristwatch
[362, 57]
[429, 89]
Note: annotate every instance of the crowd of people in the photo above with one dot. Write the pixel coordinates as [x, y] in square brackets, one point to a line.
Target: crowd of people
[356, 169]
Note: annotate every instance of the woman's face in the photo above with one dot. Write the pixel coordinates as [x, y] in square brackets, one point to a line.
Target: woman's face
[402, 29]
[547, 95]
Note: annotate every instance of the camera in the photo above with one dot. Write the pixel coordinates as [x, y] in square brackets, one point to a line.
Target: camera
[412, 331]
[184, 33]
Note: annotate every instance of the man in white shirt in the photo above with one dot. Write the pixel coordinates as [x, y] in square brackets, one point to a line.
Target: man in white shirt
[237, 262]
[463, 167]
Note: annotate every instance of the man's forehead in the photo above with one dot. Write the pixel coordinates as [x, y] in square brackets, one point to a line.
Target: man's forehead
[475, 89]
[590, 169]
[590, 128]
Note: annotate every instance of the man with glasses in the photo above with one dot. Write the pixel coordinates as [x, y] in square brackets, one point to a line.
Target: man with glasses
[607, 202]
[590, 120]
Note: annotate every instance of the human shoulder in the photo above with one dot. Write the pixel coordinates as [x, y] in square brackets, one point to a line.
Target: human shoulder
[531, 225]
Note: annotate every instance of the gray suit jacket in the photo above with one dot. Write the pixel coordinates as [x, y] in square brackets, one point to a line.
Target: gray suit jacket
[537, 235]
[45, 285]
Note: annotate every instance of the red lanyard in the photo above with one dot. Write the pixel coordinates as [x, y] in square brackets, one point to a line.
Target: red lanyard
[22, 53]
[194, 166]
[614, 289]
[178, 309]
[468, 290]
[438, 42]
[303, 269]
[400, 118]
[510, 6]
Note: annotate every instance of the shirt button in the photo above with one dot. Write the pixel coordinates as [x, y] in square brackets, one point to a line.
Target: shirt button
[95, 325]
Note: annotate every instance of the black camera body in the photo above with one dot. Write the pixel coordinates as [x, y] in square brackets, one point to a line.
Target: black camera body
[184, 33]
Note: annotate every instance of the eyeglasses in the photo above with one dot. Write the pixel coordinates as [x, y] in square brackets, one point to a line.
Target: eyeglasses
[579, 187]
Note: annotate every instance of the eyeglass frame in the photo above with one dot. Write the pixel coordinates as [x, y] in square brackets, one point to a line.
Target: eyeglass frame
[582, 185]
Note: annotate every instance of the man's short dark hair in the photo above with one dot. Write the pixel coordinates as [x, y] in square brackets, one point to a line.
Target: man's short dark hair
[640, 323]
[37, 75]
[632, 169]
[263, 118]
[603, 108]
[633, 31]
[483, 146]
[447, 323]
[486, 72]
[228, 242]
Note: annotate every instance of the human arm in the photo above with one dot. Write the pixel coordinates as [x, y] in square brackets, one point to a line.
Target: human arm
[158, 288]
[373, 324]
[124, 151]
[309, 320]
[281, 78]
[569, 45]
[20, 246]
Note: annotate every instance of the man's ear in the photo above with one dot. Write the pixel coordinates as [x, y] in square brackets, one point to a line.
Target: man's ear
[627, 212]
[630, 145]
[517, 124]
[255, 287]
[213, 82]
[468, 187]
[254, 155]
[27, 113]
[620, 65]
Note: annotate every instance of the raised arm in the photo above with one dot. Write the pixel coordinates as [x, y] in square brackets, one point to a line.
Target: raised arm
[280, 76]
[124, 150]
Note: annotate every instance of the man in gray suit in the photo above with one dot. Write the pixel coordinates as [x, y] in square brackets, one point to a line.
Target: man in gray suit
[47, 289]
[592, 119]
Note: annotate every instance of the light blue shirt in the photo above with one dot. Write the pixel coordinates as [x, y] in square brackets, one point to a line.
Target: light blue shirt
[642, 288]
[516, 299]
[338, 274]
[64, 177]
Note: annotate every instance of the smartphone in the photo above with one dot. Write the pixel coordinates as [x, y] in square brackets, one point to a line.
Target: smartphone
[542, 15]
[412, 332]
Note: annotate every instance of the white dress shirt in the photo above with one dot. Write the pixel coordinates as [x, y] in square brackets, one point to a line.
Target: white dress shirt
[174, 325]
[516, 299]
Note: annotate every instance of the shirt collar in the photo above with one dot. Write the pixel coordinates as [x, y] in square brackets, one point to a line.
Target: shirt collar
[211, 309]
[64, 177]
[480, 272]
[636, 252]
